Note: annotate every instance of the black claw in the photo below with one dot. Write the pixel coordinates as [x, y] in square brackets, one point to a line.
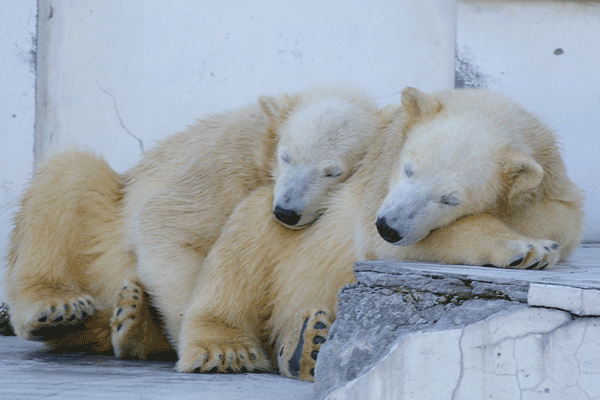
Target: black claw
[81, 303]
[84, 314]
[320, 325]
[52, 309]
[314, 354]
[517, 262]
[312, 371]
[59, 319]
[135, 297]
[133, 306]
[71, 318]
[489, 266]
[43, 319]
[244, 369]
[119, 327]
[281, 351]
[318, 339]
[544, 266]
[213, 370]
[546, 248]
[241, 356]
[119, 311]
[66, 307]
[532, 266]
[136, 290]
[253, 356]
[554, 246]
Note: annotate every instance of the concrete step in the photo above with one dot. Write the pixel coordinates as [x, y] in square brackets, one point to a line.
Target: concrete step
[427, 331]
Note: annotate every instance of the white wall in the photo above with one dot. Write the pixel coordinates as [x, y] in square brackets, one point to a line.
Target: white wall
[545, 55]
[17, 108]
[121, 74]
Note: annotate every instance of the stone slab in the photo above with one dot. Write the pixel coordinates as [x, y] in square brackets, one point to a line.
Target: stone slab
[566, 286]
[396, 304]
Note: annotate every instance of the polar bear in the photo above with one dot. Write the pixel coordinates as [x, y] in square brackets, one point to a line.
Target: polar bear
[82, 229]
[171, 224]
[460, 177]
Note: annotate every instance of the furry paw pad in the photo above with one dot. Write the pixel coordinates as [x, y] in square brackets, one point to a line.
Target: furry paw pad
[300, 347]
[222, 356]
[126, 315]
[57, 317]
[527, 254]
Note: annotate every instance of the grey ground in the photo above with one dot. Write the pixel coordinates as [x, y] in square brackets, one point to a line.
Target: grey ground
[28, 371]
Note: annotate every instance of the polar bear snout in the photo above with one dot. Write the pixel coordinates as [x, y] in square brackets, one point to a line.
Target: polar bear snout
[286, 216]
[388, 233]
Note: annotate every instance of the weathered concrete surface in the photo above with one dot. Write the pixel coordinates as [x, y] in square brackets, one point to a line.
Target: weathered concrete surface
[28, 371]
[371, 319]
[533, 353]
[416, 330]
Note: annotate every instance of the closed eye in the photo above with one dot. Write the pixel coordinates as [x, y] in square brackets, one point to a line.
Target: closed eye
[286, 158]
[333, 172]
[449, 200]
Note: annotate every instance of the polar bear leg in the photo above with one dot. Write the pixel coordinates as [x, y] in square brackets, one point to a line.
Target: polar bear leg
[231, 302]
[137, 331]
[485, 240]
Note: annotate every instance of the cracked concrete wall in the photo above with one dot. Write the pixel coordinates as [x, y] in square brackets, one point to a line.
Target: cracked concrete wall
[116, 76]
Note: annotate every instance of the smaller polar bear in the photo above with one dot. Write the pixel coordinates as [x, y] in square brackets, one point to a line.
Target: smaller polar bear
[82, 229]
[458, 177]
[319, 136]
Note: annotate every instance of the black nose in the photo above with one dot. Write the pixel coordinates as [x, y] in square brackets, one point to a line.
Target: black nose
[288, 217]
[386, 232]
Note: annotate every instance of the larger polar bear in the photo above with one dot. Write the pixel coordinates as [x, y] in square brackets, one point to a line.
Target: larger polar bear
[82, 229]
[460, 177]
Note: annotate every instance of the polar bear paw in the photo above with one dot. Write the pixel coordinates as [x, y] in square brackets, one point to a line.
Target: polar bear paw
[527, 253]
[301, 345]
[222, 355]
[126, 315]
[58, 316]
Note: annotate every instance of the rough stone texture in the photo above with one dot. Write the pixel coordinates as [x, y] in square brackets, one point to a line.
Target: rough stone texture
[416, 330]
[371, 319]
[532, 353]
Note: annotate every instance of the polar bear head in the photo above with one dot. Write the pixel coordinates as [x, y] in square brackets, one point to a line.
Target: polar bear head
[323, 134]
[465, 153]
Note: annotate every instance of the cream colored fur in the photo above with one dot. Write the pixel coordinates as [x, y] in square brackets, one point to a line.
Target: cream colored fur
[82, 229]
[172, 221]
[489, 174]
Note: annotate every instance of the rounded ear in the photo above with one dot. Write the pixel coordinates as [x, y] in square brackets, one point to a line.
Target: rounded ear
[417, 104]
[271, 106]
[523, 173]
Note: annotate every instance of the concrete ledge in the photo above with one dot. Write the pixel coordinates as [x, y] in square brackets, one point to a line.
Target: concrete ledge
[415, 330]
